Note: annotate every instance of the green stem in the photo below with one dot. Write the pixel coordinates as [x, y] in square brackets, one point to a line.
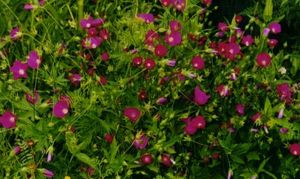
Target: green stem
[80, 10]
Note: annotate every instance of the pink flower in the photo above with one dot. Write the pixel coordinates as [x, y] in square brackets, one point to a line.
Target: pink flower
[238, 19]
[137, 61]
[284, 92]
[140, 141]
[47, 173]
[266, 32]
[146, 159]
[104, 34]
[192, 125]
[32, 99]
[109, 138]
[151, 35]
[232, 50]
[280, 114]
[179, 4]
[200, 97]
[283, 130]
[34, 60]
[171, 63]
[173, 39]
[42, 2]
[256, 117]
[207, 2]
[149, 64]
[166, 3]
[199, 122]
[263, 60]
[223, 90]
[175, 25]
[75, 79]
[161, 50]
[102, 80]
[295, 149]
[198, 63]
[166, 160]
[8, 120]
[275, 27]
[98, 22]
[86, 23]
[28, 7]
[222, 26]
[247, 40]
[91, 42]
[147, 17]
[92, 32]
[161, 101]
[105, 56]
[19, 70]
[240, 109]
[272, 43]
[15, 33]
[16, 150]
[132, 113]
[61, 109]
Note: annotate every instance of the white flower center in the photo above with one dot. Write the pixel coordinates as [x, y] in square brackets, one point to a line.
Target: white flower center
[12, 119]
[171, 39]
[65, 110]
[21, 72]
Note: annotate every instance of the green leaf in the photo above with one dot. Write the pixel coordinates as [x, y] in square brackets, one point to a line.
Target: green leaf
[252, 156]
[262, 165]
[268, 107]
[268, 11]
[85, 143]
[72, 143]
[237, 159]
[86, 159]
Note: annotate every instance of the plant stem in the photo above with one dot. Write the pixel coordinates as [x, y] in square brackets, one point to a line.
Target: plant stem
[80, 10]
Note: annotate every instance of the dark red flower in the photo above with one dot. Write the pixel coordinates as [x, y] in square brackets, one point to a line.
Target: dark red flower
[32, 99]
[263, 59]
[105, 56]
[146, 159]
[223, 90]
[137, 61]
[198, 63]
[166, 160]
[256, 116]
[284, 92]
[161, 50]
[175, 25]
[132, 113]
[240, 109]
[295, 149]
[109, 138]
[104, 34]
[149, 64]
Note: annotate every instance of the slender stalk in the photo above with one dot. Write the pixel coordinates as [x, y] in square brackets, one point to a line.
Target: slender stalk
[80, 10]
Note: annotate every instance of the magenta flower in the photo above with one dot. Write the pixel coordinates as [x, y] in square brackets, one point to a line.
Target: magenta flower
[256, 116]
[149, 64]
[247, 40]
[104, 34]
[109, 138]
[146, 17]
[295, 149]
[92, 32]
[102, 80]
[275, 27]
[166, 3]
[150, 36]
[175, 25]
[75, 79]
[16, 150]
[240, 109]
[223, 90]
[42, 2]
[280, 114]
[192, 125]
[132, 113]
[232, 50]
[161, 50]
[15, 33]
[283, 130]
[34, 60]
[61, 109]
[199, 122]
[105, 56]
[140, 141]
[19, 70]
[32, 99]
[8, 120]
[137, 61]
[166, 160]
[146, 159]
[200, 97]
[263, 60]
[28, 7]
[272, 42]
[198, 63]
[222, 26]
[284, 92]
[86, 23]
[98, 22]
[173, 39]
[91, 42]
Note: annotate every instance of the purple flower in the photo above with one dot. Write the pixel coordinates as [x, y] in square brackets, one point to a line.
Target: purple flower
[240, 109]
[47, 173]
[8, 120]
[198, 63]
[284, 92]
[275, 27]
[223, 90]
[272, 42]
[49, 157]
[17, 150]
[105, 56]
[266, 32]
[192, 125]
[148, 18]
[61, 109]
[222, 26]
[75, 79]
[15, 33]
[280, 114]
[28, 7]
[171, 63]
[19, 70]
[140, 141]
[179, 4]
[175, 25]
[173, 39]
[97, 22]
[283, 130]
[200, 97]
[263, 60]
[161, 101]
[256, 117]
[247, 40]
[132, 113]
[34, 60]
[91, 42]
[232, 50]
[42, 2]
[86, 23]
[32, 99]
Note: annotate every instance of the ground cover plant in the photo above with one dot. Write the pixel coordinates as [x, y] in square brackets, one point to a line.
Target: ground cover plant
[147, 89]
